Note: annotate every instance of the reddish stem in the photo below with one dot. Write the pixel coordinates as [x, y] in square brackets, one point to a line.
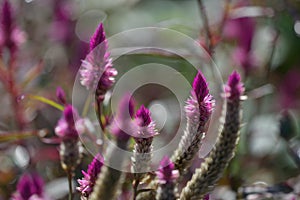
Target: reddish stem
[14, 92]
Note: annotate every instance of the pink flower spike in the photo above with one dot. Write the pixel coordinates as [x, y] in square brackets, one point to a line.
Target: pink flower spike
[87, 183]
[201, 104]
[200, 86]
[97, 71]
[143, 115]
[98, 37]
[122, 123]
[70, 125]
[234, 87]
[166, 172]
[30, 186]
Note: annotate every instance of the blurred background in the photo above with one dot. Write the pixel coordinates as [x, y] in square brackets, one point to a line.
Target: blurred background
[260, 39]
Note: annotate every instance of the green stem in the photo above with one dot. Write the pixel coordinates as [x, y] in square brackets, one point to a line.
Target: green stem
[70, 185]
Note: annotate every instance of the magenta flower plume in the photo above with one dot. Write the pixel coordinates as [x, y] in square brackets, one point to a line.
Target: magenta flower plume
[146, 127]
[200, 96]
[87, 183]
[10, 35]
[98, 37]
[234, 88]
[200, 87]
[70, 125]
[144, 132]
[242, 30]
[198, 110]
[167, 172]
[61, 96]
[97, 71]
[30, 186]
[122, 123]
[68, 129]
[144, 115]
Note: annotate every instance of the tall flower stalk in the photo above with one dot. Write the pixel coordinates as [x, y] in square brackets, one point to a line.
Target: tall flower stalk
[87, 183]
[212, 168]
[166, 174]
[142, 153]
[70, 150]
[97, 72]
[198, 111]
[10, 39]
[109, 180]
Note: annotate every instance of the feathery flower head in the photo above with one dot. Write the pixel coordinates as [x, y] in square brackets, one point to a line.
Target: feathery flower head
[145, 126]
[144, 115]
[98, 37]
[201, 103]
[28, 187]
[166, 172]
[234, 87]
[122, 122]
[200, 87]
[70, 125]
[61, 96]
[87, 183]
[97, 71]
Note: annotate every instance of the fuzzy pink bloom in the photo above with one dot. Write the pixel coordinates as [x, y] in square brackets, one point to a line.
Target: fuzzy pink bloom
[97, 71]
[122, 125]
[70, 125]
[200, 104]
[30, 187]
[242, 30]
[146, 127]
[10, 35]
[234, 87]
[166, 172]
[87, 183]
[289, 94]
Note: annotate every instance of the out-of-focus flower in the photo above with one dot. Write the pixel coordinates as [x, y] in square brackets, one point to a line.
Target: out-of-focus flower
[234, 88]
[61, 96]
[289, 94]
[30, 187]
[87, 183]
[68, 129]
[10, 35]
[70, 125]
[167, 172]
[242, 30]
[122, 123]
[62, 27]
[97, 71]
